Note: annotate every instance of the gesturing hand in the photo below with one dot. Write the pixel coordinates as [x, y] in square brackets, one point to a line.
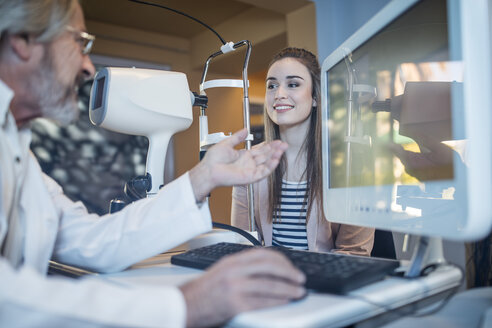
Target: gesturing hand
[225, 166]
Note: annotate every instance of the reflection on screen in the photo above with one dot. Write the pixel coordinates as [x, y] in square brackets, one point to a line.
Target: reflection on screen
[390, 105]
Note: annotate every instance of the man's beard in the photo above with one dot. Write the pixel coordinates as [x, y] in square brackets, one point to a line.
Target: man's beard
[57, 101]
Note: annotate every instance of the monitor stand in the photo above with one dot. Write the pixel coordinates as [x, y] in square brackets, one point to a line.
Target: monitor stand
[428, 251]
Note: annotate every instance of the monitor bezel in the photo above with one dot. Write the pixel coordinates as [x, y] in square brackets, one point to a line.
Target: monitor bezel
[475, 49]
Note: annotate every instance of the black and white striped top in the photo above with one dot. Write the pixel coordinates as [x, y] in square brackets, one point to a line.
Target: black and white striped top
[289, 227]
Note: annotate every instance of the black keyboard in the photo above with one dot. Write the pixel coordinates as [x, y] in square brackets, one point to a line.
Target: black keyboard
[325, 272]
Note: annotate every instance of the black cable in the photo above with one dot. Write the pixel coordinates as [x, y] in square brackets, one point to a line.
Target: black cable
[181, 13]
[243, 233]
[449, 296]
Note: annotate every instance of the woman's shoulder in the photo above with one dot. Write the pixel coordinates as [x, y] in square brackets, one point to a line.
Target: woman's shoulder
[257, 186]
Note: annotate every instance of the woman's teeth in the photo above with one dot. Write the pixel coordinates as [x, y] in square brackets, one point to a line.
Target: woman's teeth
[282, 107]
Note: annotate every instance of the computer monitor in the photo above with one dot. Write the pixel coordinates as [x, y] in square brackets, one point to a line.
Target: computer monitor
[407, 121]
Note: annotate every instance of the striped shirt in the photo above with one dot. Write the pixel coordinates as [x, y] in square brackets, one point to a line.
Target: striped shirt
[289, 227]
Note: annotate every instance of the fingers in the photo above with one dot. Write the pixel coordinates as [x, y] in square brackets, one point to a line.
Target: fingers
[269, 156]
[245, 281]
[263, 278]
[227, 166]
[236, 138]
[276, 147]
[263, 170]
[267, 293]
[255, 303]
[272, 288]
[265, 262]
[264, 151]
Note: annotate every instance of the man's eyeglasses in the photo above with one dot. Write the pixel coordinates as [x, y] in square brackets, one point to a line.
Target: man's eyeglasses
[85, 39]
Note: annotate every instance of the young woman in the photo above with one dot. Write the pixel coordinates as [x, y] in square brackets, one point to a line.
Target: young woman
[288, 204]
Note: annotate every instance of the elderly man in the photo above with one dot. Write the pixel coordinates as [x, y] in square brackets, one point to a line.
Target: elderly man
[43, 58]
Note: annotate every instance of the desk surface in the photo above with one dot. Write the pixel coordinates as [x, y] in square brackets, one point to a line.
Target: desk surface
[316, 310]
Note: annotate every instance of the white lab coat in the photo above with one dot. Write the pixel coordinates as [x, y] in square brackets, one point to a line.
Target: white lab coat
[54, 226]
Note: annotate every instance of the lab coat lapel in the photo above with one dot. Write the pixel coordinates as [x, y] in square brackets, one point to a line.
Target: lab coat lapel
[7, 175]
[11, 242]
[13, 173]
[41, 221]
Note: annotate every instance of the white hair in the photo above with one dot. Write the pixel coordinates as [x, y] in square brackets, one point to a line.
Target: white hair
[44, 19]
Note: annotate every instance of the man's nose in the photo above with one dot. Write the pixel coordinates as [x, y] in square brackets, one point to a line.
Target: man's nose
[88, 69]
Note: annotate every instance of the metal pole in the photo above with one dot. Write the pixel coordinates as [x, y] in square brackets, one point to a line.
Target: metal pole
[247, 125]
[350, 105]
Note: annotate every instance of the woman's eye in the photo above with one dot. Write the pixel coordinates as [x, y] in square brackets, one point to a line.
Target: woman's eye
[271, 86]
[293, 85]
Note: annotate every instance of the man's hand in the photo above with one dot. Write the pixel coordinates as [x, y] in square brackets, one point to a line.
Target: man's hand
[249, 280]
[225, 166]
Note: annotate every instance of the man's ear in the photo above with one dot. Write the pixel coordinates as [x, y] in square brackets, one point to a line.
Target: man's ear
[22, 45]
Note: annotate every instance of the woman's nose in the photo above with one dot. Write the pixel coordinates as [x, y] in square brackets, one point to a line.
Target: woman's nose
[281, 92]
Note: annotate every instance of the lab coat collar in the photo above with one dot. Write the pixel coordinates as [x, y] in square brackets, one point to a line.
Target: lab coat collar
[6, 95]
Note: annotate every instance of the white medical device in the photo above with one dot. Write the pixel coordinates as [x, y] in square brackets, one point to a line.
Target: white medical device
[151, 103]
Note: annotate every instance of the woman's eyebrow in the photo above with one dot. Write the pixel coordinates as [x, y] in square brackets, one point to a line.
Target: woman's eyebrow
[294, 77]
[288, 77]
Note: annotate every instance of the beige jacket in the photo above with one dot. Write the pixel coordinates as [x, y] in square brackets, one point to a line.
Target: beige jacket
[323, 236]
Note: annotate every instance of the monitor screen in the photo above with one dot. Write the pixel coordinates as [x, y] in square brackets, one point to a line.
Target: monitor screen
[406, 122]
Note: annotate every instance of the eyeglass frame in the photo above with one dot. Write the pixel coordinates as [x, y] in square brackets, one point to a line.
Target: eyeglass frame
[86, 37]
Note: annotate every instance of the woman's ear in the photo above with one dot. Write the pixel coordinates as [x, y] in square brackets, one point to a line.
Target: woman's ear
[315, 103]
